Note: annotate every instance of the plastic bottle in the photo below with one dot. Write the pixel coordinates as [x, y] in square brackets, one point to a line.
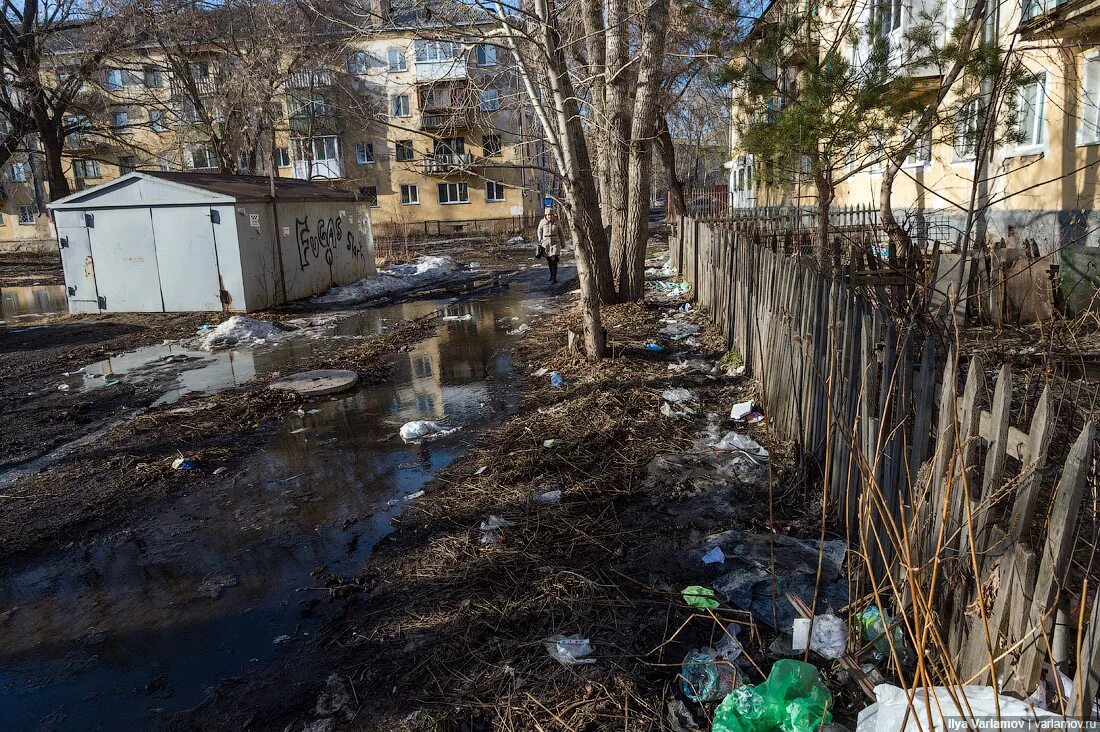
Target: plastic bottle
[793, 699]
[705, 677]
[873, 622]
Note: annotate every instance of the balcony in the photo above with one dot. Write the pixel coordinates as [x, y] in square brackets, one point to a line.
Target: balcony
[455, 119]
[442, 164]
[311, 79]
[204, 85]
[318, 169]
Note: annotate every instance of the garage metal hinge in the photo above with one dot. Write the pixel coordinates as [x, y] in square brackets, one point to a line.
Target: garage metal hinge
[215, 216]
[225, 297]
[72, 291]
[64, 242]
[102, 302]
[89, 220]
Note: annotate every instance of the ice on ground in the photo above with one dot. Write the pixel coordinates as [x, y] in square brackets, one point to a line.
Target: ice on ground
[237, 330]
[392, 280]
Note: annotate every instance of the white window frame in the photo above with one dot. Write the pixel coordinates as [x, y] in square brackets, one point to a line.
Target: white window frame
[489, 100]
[364, 153]
[921, 154]
[358, 62]
[282, 157]
[410, 194]
[965, 142]
[435, 51]
[486, 55]
[120, 79]
[1035, 140]
[27, 220]
[1088, 130]
[120, 122]
[152, 77]
[399, 108]
[460, 189]
[86, 169]
[396, 54]
[23, 174]
[208, 157]
[399, 145]
[495, 191]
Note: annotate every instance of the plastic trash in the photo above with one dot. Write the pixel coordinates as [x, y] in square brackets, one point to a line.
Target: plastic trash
[792, 699]
[755, 418]
[829, 638]
[541, 372]
[467, 316]
[873, 622]
[800, 634]
[570, 650]
[706, 677]
[737, 441]
[714, 556]
[556, 380]
[520, 330]
[700, 597]
[892, 711]
[655, 347]
[548, 497]
[182, 463]
[496, 522]
[62, 387]
[676, 403]
[421, 429]
[729, 647]
[741, 410]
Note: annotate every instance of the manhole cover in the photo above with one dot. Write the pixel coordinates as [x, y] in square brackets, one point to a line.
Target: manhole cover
[317, 383]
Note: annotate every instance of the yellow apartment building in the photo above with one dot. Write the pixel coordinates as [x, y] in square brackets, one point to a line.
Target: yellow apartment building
[433, 132]
[1041, 182]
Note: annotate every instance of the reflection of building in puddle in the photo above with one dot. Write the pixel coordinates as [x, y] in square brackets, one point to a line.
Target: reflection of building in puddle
[35, 300]
[188, 370]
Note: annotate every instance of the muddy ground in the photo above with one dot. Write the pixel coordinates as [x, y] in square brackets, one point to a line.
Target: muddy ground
[18, 270]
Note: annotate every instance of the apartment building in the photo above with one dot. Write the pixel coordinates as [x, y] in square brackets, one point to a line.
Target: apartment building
[1038, 179]
[429, 127]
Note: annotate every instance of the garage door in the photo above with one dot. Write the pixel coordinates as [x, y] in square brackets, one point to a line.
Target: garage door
[76, 260]
[186, 258]
[125, 258]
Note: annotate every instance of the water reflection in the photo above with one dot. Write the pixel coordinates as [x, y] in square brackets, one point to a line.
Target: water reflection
[25, 303]
[147, 619]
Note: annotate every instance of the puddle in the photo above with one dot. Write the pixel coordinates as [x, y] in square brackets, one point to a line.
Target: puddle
[142, 623]
[27, 303]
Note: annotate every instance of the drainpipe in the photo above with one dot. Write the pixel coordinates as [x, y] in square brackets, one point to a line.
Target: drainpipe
[275, 216]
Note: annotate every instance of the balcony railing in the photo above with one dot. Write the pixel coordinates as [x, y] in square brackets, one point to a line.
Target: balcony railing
[310, 79]
[313, 169]
[447, 163]
[204, 85]
[443, 120]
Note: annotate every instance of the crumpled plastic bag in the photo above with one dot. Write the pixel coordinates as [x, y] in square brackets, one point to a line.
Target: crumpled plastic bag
[792, 699]
[892, 712]
[570, 650]
[421, 429]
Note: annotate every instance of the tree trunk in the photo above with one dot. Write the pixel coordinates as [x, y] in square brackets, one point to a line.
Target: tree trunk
[821, 239]
[632, 243]
[667, 152]
[52, 135]
[616, 156]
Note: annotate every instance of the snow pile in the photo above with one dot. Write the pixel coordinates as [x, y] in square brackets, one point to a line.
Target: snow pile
[238, 330]
[424, 430]
[392, 280]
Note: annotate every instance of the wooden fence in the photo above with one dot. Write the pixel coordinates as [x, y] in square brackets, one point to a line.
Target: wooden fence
[939, 486]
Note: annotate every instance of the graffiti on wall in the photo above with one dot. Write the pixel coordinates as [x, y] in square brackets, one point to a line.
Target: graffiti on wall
[323, 238]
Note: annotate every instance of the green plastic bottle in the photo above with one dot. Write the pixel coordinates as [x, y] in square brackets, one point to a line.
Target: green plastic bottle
[792, 699]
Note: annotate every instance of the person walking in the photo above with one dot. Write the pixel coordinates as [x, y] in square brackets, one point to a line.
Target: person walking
[549, 239]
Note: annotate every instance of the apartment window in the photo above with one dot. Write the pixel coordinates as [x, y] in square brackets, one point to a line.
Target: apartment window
[486, 55]
[1032, 8]
[311, 106]
[1031, 99]
[245, 160]
[120, 122]
[404, 150]
[1089, 131]
[494, 191]
[967, 130]
[921, 154]
[396, 59]
[435, 51]
[358, 62]
[369, 195]
[114, 79]
[200, 69]
[451, 146]
[127, 164]
[153, 78]
[282, 157]
[399, 105]
[19, 172]
[491, 145]
[490, 100]
[454, 193]
[409, 193]
[890, 14]
[203, 159]
[156, 121]
[317, 148]
[85, 169]
[364, 153]
[27, 215]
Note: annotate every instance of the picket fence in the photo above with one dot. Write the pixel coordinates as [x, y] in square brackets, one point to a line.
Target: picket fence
[930, 483]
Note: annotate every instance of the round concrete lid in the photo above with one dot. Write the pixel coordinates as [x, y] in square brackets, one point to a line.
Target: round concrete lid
[317, 383]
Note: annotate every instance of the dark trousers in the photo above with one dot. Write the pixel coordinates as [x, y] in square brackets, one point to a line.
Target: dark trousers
[553, 263]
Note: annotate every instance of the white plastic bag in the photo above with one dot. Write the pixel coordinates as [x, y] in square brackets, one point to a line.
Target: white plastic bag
[893, 713]
[570, 650]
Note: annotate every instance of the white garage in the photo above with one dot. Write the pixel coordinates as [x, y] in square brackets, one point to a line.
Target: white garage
[172, 242]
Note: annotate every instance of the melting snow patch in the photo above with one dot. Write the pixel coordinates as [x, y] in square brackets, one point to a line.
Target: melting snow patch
[394, 279]
[238, 330]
